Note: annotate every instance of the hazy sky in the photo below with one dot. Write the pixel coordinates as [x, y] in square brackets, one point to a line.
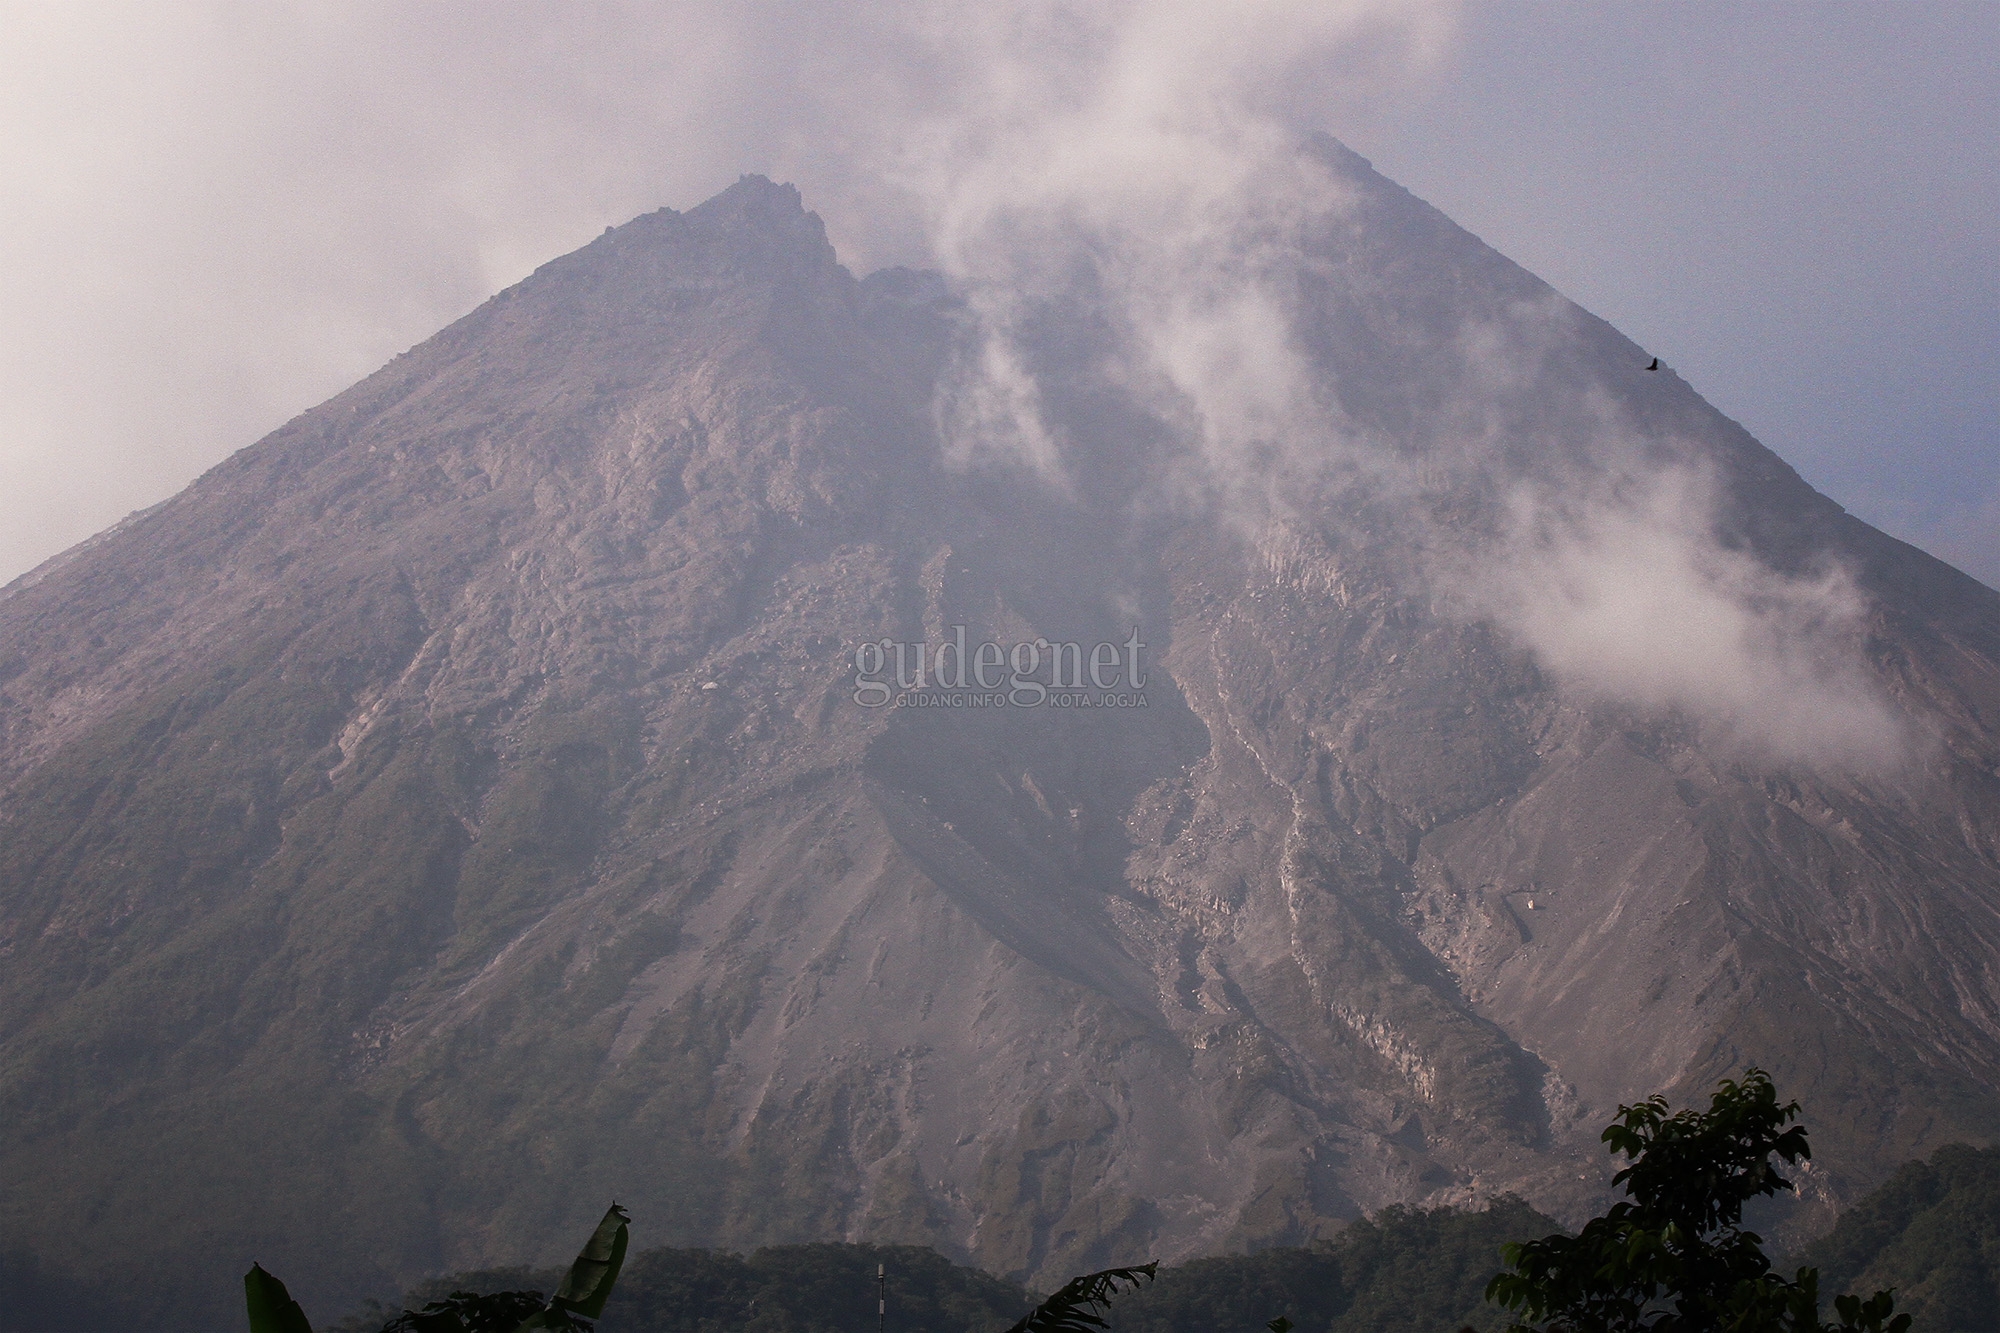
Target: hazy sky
[214, 215]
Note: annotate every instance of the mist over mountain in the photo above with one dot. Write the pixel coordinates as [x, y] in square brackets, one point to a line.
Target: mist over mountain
[457, 809]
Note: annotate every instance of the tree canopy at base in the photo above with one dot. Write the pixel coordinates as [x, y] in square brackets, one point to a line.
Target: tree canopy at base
[1932, 1232]
[1405, 1270]
[1674, 1257]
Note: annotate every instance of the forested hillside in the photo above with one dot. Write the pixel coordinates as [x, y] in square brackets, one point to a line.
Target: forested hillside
[1406, 1269]
[781, 1289]
[1933, 1233]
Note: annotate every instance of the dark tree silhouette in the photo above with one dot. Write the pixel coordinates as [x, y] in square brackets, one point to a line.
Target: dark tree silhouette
[1674, 1256]
[1078, 1307]
[579, 1300]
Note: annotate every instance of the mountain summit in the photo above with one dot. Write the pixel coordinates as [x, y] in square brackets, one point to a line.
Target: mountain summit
[465, 805]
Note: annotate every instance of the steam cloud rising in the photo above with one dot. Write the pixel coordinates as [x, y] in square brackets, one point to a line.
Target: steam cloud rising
[1147, 152]
[1155, 166]
[1638, 601]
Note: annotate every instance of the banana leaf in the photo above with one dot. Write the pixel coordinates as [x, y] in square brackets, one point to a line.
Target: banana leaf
[588, 1285]
[1074, 1309]
[271, 1307]
[580, 1298]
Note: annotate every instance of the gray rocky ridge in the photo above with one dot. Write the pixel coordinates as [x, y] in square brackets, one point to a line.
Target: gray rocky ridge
[383, 888]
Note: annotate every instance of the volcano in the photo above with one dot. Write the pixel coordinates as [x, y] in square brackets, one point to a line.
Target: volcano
[467, 804]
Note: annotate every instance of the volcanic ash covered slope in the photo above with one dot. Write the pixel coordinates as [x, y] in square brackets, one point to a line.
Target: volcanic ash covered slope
[452, 811]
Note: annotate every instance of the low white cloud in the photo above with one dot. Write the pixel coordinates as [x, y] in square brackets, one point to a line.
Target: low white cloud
[1631, 597]
[1144, 182]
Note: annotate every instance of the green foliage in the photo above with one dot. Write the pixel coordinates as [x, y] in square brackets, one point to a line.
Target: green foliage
[1232, 1294]
[689, 1291]
[1406, 1270]
[1077, 1306]
[271, 1307]
[1674, 1257]
[375, 1317]
[1931, 1232]
[815, 1287]
[471, 1312]
[588, 1285]
[579, 1300]
[819, 1288]
[1413, 1270]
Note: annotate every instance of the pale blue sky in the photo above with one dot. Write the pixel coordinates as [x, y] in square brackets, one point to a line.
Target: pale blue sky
[1797, 205]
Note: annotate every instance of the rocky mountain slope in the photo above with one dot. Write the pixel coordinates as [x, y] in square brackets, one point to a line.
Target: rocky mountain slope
[454, 811]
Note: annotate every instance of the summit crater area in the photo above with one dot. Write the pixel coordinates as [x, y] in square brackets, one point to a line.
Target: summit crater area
[455, 810]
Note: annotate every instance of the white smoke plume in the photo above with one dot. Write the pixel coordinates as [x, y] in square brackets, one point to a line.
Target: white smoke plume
[1150, 150]
[1019, 146]
[1637, 601]
[1149, 163]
